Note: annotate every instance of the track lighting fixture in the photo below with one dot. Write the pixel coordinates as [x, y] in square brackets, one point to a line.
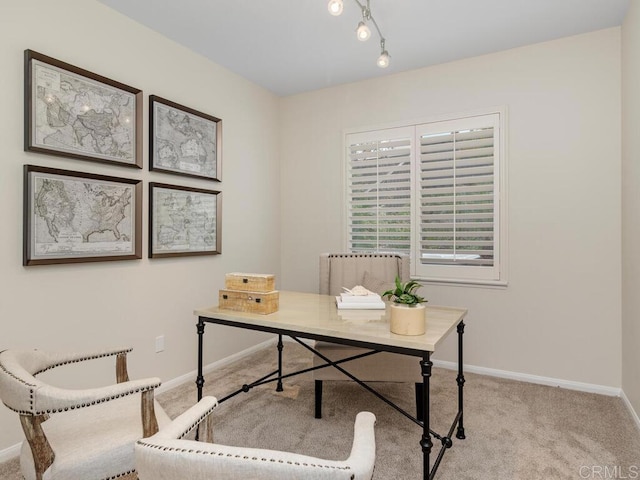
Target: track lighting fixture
[363, 32]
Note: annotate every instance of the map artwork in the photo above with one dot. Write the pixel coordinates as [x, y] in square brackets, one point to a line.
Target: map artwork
[74, 114]
[184, 142]
[183, 221]
[81, 217]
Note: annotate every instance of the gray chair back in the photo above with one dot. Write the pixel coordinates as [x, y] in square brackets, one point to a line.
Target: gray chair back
[375, 270]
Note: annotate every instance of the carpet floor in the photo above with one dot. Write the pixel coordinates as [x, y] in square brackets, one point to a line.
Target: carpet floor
[514, 430]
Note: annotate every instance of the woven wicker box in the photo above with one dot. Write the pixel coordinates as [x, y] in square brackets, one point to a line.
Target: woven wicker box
[250, 302]
[250, 282]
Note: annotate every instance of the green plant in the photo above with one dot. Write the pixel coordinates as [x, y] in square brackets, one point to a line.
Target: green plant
[405, 293]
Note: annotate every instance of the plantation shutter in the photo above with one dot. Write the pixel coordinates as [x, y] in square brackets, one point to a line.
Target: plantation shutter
[458, 202]
[379, 191]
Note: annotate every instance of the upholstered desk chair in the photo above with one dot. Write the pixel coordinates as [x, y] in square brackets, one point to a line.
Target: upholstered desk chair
[377, 273]
[169, 456]
[77, 434]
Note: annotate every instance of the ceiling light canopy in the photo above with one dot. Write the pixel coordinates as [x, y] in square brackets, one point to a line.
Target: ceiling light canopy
[363, 32]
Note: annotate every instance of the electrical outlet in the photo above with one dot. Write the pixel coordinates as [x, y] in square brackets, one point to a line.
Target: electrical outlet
[160, 344]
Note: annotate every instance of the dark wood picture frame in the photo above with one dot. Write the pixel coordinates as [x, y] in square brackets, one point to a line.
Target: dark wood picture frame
[184, 141]
[72, 112]
[184, 221]
[66, 212]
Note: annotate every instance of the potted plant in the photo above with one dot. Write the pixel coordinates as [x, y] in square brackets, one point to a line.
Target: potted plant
[407, 309]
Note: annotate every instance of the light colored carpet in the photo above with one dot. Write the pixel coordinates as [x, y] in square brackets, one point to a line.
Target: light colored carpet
[514, 430]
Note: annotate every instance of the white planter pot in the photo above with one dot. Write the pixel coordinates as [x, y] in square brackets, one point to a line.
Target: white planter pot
[408, 320]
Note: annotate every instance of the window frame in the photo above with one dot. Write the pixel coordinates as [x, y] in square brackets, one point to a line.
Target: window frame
[496, 275]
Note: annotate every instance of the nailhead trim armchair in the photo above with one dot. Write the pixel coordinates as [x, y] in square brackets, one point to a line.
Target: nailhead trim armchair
[74, 434]
[167, 455]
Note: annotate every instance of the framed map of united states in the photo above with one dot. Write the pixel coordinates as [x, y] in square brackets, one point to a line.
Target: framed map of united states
[80, 217]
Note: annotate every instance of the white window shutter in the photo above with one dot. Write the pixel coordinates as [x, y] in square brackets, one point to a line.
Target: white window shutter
[379, 191]
[458, 201]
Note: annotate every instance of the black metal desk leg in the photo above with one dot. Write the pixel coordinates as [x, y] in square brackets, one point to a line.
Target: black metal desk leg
[280, 347]
[460, 380]
[200, 377]
[426, 442]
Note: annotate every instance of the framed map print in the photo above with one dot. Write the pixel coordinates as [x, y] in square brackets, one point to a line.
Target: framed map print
[72, 112]
[74, 217]
[183, 221]
[183, 140]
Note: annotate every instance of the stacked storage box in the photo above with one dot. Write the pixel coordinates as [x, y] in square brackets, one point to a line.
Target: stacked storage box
[249, 292]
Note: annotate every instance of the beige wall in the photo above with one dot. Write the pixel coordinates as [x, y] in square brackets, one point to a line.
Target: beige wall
[631, 205]
[560, 315]
[132, 302]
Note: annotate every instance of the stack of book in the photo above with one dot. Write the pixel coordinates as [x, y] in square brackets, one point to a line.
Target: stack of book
[361, 316]
[349, 301]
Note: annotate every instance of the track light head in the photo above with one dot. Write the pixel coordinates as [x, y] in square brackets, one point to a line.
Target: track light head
[383, 59]
[335, 7]
[363, 32]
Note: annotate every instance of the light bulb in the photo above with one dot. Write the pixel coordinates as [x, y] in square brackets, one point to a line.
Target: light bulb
[363, 33]
[383, 59]
[335, 7]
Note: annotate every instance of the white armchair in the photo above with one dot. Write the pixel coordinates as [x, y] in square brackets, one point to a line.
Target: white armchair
[76, 434]
[376, 272]
[168, 456]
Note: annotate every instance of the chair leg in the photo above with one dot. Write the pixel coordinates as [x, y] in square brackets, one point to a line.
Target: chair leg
[419, 398]
[318, 384]
[41, 451]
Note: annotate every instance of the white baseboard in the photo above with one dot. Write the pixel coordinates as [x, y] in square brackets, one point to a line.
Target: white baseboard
[10, 453]
[524, 377]
[633, 413]
[491, 372]
[190, 376]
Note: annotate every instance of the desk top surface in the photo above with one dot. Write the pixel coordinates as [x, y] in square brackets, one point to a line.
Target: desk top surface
[318, 315]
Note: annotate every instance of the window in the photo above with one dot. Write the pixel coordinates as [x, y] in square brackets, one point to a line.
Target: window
[432, 190]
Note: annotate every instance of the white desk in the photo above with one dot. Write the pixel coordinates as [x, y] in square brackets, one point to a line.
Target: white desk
[312, 316]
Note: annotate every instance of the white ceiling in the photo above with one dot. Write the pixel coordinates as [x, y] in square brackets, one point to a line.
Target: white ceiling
[293, 46]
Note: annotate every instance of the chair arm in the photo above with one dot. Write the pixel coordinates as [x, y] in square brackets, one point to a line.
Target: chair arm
[363, 451]
[63, 358]
[160, 457]
[187, 421]
[51, 399]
